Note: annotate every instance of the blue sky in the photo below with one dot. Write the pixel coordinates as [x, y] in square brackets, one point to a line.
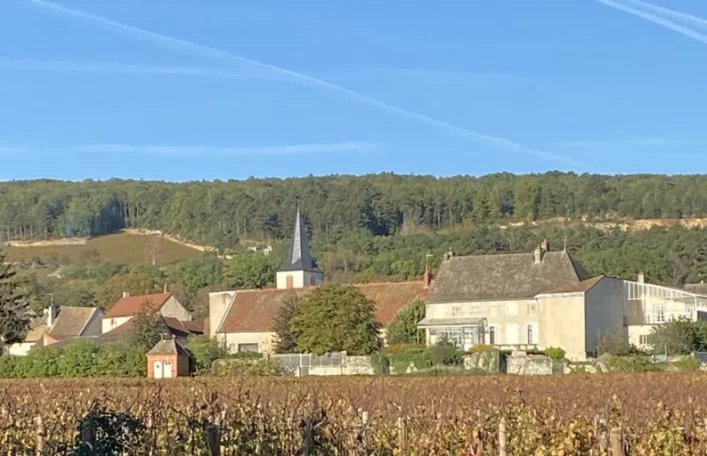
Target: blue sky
[183, 90]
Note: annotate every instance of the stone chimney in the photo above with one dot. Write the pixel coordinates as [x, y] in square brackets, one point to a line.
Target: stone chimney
[545, 245]
[166, 288]
[126, 294]
[427, 277]
[538, 255]
[641, 277]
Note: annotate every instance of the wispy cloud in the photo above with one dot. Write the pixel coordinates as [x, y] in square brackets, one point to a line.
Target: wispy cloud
[196, 150]
[107, 67]
[679, 15]
[634, 143]
[267, 70]
[690, 33]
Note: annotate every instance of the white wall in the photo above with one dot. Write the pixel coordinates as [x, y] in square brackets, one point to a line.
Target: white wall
[174, 309]
[300, 279]
[218, 305]
[20, 349]
[636, 331]
[263, 339]
[562, 324]
[110, 324]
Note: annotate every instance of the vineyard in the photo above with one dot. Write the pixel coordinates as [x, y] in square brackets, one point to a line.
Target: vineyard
[658, 414]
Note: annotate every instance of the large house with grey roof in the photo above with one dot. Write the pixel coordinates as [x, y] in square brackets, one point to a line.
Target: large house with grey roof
[526, 301]
[244, 319]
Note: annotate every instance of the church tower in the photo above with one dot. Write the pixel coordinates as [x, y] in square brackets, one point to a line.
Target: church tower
[299, 269]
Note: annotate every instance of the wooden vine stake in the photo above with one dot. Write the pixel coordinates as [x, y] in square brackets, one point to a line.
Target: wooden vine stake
[502, 444]
[402, 436]
[617, 444]
[39, 450]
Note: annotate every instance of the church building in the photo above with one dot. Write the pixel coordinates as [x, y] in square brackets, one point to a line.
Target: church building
[299, 269]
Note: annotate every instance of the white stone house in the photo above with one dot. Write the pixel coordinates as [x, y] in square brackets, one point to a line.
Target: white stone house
[524, 301]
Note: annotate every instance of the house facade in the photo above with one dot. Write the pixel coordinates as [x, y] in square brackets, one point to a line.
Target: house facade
[523, 301]
[130, 306]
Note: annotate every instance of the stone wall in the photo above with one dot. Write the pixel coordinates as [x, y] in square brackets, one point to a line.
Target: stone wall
[520, 363]
[487, 360]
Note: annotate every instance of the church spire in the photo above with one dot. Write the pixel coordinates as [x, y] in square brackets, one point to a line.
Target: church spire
[299, 256]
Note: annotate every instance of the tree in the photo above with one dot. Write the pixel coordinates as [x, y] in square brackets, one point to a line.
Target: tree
[136, 284]
[337, 318]
[404, 330]
[249, 270]
[205, 351]
[14, 306]
[678, 337]
[286, 340]
[148, 328]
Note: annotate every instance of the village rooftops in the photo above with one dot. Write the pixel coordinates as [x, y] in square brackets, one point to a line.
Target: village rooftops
[256, 310]
[504, 276]
[130, 306]
[72, 321]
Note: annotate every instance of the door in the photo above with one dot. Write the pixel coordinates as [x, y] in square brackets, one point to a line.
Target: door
[168, 369]
[158, 369]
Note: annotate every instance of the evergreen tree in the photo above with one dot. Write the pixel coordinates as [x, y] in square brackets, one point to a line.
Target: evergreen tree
[286, 338]
[14, 305]
[404, 330]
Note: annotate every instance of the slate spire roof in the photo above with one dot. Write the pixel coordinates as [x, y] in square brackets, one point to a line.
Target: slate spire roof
[299, 256]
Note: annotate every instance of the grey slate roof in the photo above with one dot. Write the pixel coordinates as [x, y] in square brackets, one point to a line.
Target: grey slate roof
[504, 276]
[299, 256]
[168, 347]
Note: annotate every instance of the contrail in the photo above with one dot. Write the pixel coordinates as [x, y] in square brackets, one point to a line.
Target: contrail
[669, 12]
[657, 20]
[178, 44]
[107, 67]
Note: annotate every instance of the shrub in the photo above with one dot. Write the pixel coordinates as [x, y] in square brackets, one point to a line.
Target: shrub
[688, 363]
[481, 348]
[631, 364]
[555, 353]
[446, 353]
[205, 351]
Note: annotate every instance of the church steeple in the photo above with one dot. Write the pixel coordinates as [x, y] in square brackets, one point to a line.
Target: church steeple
[299, 268]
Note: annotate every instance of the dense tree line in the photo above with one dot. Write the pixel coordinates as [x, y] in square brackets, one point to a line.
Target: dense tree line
[220, 213]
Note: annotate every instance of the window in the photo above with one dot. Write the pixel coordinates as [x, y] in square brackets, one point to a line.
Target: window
[532, 308]
[456, 311]
[492, 335]
[312, 281]
[645, 339]
[530, 334]
[512, 308]
[659, 314]
[248, 348]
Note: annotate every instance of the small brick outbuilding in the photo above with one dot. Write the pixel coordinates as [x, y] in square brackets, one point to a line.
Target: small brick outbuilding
[168, 359]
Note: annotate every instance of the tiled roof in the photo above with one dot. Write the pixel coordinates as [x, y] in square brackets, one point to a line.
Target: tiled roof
[256, 310]
[36, 334]
[168, 347]
[580, 287]
[184, 328]
[503, 276]
[71, 321]
[133, 305]
[299, 256]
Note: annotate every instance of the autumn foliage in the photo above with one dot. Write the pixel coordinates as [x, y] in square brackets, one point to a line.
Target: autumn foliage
[660, 414]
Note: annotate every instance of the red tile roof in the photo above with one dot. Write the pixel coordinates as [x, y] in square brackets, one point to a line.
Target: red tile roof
[256, 310]
[133, 305]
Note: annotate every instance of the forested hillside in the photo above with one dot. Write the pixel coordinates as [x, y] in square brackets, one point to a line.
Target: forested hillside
[219, 213]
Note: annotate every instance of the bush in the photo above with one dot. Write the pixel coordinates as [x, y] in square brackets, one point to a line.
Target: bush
[446, 353]
[205, 351]
[481, 348]
[617, 346]
[631, 364]
[688, 363]
[555, 353]
[247, 367]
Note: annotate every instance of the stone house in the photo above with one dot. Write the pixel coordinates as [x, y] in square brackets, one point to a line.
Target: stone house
[130, 306]
[523, 301]
[244, 319]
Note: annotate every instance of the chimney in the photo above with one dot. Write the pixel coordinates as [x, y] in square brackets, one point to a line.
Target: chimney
[126, 294]
[166, 288]
[427, 277]
[545, 245]
[51, 314]
[538, 255]
[641, 277]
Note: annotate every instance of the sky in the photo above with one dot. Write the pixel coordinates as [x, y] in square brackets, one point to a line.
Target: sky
[181, 90]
